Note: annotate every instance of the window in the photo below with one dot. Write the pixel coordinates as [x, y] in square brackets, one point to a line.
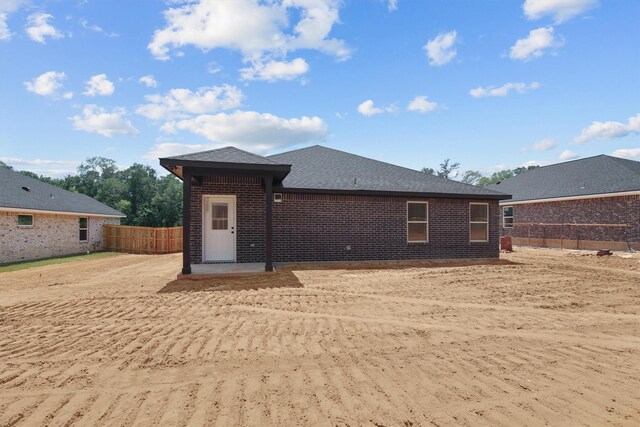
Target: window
[417, 222]
[277, 197]
[220, 216]
[25, 220]
[507, 217]
[83, 225]
[478, 222]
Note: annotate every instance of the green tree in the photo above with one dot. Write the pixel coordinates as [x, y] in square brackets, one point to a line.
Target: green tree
[4, 165]
[521, 169]
[448, 169]
[167, 202]
[495, 177]
[428, 171]
[471, 177]
[91, 172]
[140, 187]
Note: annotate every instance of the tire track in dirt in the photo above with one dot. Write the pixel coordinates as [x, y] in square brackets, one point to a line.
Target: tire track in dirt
[420, 346]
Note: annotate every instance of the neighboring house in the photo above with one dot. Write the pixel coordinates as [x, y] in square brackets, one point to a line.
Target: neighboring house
[591, 203]
[320, 204]
[40, 220]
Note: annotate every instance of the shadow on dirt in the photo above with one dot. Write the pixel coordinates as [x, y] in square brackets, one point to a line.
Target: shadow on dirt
[236, 282]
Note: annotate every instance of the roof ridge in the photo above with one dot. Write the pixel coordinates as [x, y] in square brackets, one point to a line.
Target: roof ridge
[226, 147]
[297, 149]
[625, 163]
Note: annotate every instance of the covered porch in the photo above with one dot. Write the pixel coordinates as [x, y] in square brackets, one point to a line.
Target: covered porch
[227, 210]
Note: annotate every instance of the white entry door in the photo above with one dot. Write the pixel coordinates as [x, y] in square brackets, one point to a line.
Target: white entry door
[219, 228]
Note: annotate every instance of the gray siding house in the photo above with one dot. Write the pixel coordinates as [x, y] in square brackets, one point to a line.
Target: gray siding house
[39, 220]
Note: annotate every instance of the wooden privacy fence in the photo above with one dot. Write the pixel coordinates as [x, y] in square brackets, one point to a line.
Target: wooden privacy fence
[568, 226]
[142, 240]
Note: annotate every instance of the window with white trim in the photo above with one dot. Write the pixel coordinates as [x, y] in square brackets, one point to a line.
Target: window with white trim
[25, 220]
[507, 217]
[478, 222]
[83, 226]
[417, 222]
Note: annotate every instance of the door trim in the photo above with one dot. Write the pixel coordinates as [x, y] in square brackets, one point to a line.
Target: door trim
[206, 199]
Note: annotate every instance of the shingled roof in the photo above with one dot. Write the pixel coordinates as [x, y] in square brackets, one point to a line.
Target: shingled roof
[322, 169]
[18, 191]
[584, 177]
[226, 155]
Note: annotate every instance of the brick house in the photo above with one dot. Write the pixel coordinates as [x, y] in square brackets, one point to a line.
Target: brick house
[39, 220]
[591, 203]
[319, 204]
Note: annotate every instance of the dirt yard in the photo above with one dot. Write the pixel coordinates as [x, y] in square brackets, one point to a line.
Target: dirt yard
[553, 338]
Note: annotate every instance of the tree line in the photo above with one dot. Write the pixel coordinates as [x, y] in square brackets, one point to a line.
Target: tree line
[451, 170]
[138, 192]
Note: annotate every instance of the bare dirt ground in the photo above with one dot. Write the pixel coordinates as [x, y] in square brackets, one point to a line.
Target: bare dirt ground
[552, 339]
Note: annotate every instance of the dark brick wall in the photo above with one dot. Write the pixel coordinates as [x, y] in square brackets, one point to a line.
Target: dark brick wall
[610, 210]
[312, 227]
[250, 215]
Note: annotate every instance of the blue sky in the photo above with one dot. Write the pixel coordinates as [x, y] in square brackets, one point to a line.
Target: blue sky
[490, 84]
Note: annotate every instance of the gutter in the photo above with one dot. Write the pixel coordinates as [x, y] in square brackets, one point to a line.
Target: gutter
[42, 211]
[568, 198]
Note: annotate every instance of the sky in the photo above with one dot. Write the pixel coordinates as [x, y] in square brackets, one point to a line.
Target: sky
[489, 84]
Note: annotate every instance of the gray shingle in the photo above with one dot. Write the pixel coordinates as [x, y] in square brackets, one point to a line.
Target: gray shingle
[593, 175]
[226, 155]
[46, 197]
[324, 168]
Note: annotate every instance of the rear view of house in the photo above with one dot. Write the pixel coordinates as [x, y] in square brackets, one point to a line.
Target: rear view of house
[320, 204]
[39, 220]
[591, 203]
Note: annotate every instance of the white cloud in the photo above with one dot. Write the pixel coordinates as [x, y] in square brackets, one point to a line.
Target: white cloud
[99, 85]
[560, 10]
[422, 104]
[38, 162]
[534, 45]
[568, 155]
[543, 145]
[5, 32]
[179, 103]
[38, 27]
[503, 90]
[368, 109]
[608, 130]
[254, 131]
[393, 5]
[6, 8]
[106, 123]
[441, 50]
[46, 84]
[168, 149]
[223, 24]
[96, 28]
[67, 95]
[213, 67]
[627, 153]
[275, 70]
[148, 81]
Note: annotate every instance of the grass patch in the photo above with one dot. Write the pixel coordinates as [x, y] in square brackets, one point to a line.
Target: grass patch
[56, 260]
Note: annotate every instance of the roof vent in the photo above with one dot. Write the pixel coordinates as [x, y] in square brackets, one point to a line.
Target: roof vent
[26, 188]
